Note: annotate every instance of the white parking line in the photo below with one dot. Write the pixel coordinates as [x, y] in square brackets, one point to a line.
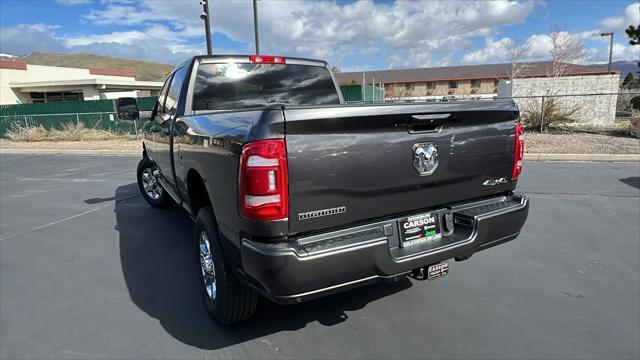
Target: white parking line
[6, 237]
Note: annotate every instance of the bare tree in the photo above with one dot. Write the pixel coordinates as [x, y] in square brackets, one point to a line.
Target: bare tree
[551, 111]
[517, 55]
[566, 49]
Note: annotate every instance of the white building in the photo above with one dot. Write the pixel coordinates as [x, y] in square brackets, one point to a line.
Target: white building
[25, 83]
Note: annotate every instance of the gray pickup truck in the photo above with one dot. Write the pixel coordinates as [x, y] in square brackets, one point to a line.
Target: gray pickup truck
[297, 195]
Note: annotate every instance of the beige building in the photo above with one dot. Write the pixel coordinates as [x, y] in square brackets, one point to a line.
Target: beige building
[25, 83]
[471, 81]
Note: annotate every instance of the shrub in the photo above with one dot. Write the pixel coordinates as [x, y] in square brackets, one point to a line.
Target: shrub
[70, 132]
[17, 132]
[77, 132]
[556, 112]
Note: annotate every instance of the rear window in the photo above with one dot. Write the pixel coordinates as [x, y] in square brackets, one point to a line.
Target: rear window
[238, 86]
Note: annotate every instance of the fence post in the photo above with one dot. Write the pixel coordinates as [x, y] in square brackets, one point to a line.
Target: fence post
[28, 130]
[542, 115]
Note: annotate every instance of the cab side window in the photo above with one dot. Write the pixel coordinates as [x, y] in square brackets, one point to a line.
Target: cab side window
[174, 90]
[163, 95]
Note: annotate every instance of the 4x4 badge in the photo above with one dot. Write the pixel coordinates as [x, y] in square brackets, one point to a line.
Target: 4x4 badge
[492, 182]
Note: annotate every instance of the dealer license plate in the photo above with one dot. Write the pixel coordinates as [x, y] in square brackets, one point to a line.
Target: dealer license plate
[438, 270]
[420, 228]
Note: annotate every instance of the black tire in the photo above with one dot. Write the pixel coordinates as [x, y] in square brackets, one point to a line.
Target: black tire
[233, 301]
[163, 200]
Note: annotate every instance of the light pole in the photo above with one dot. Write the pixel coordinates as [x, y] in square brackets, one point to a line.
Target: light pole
[255, 25]
[207, 25]
[610, 34]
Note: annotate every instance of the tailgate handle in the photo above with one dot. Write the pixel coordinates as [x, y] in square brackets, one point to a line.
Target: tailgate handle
[429, 119]
[427, 122]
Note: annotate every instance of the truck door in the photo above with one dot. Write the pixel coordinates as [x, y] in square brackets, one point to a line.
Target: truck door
[166, 123]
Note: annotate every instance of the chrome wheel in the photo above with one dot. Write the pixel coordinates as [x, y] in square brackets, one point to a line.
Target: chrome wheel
[207, 266]
[150, 184]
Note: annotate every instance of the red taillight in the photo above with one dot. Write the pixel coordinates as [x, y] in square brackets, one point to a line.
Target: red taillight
[266, 59]
[518, 151]
[263, 189]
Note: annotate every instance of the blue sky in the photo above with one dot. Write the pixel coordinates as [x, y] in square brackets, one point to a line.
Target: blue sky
[352, 35]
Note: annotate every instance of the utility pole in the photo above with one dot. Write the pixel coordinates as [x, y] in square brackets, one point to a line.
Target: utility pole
[207, 25]
[610, 34]
[255, 25]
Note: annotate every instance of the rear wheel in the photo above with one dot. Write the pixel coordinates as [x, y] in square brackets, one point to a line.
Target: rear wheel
[226, 298]
[150, 188]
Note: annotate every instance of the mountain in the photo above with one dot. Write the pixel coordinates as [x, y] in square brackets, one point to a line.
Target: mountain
[625, 67]
[147, 70]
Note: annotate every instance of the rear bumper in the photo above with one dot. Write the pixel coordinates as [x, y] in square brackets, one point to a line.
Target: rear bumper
[309, 267]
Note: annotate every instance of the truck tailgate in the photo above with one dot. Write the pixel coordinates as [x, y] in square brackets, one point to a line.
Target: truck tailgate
[353, 163]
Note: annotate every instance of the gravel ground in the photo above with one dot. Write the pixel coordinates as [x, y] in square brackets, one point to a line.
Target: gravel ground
[580, 143]
[577, 143]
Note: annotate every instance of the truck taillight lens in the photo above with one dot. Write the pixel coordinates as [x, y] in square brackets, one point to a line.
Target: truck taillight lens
[263, 189]
[518, 151]
[266, 59]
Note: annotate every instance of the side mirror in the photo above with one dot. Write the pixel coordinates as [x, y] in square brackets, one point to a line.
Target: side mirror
[127, 108]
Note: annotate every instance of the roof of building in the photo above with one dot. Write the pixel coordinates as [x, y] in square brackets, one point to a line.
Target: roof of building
[102, 84]
[22, 65]
[465, 72]
[13, 64]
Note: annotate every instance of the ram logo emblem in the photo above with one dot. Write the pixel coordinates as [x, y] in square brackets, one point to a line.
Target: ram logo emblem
[425, 158]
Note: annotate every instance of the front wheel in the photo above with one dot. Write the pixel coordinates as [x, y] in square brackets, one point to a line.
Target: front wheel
[226, 298]
[150, 188]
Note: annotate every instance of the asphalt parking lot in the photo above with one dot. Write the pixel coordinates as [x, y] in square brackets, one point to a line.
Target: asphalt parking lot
[88, 270]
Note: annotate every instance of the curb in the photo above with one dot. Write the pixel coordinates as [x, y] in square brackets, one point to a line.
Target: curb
[527, 156]
[70, 152]
[582, 157]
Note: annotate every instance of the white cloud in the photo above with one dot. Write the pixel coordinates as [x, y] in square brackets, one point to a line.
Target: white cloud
[118, 37]
[597, 47]
[621, 50]
[120, 14]
[404, 33]
[631, 16]
[24, 39]
[494, 51]
[540, 46]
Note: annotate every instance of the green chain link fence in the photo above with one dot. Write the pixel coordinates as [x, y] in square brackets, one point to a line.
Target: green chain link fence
[95, 114]
[101, 114]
